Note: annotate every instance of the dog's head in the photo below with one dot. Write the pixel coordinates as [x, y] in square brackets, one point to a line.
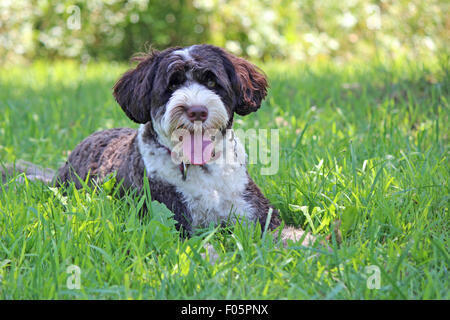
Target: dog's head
[179, 87]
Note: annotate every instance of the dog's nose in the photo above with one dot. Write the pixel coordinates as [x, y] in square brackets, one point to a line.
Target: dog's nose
[197, 113]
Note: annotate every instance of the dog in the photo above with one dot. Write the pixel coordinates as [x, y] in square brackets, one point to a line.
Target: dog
[192, 89]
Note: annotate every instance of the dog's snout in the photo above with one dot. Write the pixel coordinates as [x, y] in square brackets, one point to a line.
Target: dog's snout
[197, 113]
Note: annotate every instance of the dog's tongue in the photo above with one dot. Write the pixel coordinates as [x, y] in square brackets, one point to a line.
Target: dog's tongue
[197, 148]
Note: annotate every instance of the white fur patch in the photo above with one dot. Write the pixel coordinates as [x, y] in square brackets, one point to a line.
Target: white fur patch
[212, 195]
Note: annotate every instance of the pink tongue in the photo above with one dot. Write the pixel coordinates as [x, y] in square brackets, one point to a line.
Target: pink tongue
[197, 148]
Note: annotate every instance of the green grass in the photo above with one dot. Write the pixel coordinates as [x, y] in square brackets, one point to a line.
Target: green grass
[364, 143]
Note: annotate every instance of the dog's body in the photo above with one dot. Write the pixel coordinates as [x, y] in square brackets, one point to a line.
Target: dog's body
[177, 89]
[213, 193]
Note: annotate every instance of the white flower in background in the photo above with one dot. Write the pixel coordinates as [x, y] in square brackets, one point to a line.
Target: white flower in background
[74, 49]
[310, 38]
[333, 44]
[268, 16]
[429, 43]
[204, 4]
[134, 18]
[373, 21]
[233, 47]
[253, 51]
[254, 36]
[56, 31]
[246, 21]
[347, 20]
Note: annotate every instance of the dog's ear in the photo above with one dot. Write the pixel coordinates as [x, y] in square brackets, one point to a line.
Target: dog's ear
[133, 90]
[248, 81]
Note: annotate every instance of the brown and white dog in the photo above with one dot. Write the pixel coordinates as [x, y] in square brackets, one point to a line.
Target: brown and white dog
[175, 89]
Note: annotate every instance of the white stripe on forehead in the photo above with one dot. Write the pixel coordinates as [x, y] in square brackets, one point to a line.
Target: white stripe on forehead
[186, 56]
[185, 53]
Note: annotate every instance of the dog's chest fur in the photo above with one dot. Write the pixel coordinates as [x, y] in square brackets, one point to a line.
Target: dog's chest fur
[213, 193]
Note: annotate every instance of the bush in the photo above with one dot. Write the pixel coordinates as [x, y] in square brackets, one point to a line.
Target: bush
[261, 29]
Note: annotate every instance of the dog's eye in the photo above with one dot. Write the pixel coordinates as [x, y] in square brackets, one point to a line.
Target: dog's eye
[176, 80]
[173, 85]
[211, 83]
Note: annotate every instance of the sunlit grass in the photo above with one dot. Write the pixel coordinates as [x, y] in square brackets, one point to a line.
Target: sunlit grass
[367, 144]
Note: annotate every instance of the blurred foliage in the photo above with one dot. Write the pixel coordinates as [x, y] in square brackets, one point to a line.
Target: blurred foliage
[260, 29]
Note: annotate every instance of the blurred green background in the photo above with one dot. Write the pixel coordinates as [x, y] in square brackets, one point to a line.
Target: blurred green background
[292, 30]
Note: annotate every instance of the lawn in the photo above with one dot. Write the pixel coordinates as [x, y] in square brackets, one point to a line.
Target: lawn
[366, 143]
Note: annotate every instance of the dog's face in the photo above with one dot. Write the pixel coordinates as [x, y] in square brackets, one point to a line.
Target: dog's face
[179, 87]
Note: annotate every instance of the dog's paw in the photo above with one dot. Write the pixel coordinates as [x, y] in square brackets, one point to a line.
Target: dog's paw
[291, 234]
